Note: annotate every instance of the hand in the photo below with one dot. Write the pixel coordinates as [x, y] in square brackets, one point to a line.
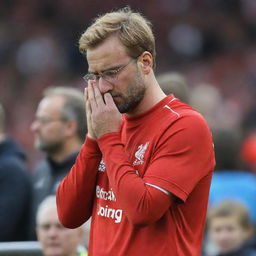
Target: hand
[90, 133]
[105, 116]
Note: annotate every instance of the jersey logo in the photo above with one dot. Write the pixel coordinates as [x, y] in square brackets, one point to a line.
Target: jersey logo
[102, 166]
[139, 154]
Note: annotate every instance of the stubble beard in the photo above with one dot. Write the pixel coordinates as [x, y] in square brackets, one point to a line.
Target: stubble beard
[47, 147]
[133, 96]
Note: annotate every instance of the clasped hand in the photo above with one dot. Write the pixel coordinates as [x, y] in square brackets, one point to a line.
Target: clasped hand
[101, 112]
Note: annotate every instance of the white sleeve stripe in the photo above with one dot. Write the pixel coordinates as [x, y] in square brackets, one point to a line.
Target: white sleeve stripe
[159, 188]
[168, 107]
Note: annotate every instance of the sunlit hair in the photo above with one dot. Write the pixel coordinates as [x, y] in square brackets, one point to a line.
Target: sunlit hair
[230, 209]
[73, 109]
[133, 30]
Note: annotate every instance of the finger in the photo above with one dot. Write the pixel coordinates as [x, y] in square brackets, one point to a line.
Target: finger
[86, 99]
[88, 107]
[98, 96]
[91, 97]
[109, 100]
[85, 94]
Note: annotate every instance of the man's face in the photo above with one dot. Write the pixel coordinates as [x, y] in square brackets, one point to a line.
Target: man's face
[128, 89]
[55, 239]
[227, 234]
[49, 128]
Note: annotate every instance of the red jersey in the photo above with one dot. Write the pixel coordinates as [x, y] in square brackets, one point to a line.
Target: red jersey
[123, 181]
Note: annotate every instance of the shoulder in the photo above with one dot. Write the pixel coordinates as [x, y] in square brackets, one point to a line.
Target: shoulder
[42, 166]
[250, 252]
[181, 114]
[13, 166]
[190, 124]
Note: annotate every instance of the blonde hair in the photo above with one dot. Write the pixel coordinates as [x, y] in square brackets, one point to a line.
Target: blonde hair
[132, 29]
[230, 209]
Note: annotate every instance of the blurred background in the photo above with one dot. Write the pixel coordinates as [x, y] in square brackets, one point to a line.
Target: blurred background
[208, 46]
[210, 42]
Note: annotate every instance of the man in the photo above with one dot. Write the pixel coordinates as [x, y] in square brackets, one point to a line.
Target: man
[59, 129]
[55, 239]
[15, 188]
[143, 176]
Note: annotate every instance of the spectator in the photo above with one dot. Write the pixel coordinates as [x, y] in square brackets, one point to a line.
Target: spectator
[229, 229]
[59, 129]
[55, 239]
[174, 83]
[15, 189]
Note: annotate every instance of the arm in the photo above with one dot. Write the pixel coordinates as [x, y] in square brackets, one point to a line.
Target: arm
[181, 158]
[142, 203]
[76, 192]
[145, 200]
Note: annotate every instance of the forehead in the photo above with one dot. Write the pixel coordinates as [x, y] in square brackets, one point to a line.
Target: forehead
[110, 52]
[48, 215]
[225, 220]
[51, 105]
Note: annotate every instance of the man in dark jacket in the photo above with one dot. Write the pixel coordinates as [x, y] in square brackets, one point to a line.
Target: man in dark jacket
[15, 189]
[59, 128]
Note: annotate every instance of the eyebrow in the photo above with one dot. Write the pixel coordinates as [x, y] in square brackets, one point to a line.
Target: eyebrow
[108, 69]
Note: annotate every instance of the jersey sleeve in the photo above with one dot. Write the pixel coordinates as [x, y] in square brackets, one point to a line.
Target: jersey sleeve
[75, 194]
[183, 156]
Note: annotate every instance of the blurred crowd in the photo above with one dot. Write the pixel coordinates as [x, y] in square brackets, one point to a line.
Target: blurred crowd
[212, 43]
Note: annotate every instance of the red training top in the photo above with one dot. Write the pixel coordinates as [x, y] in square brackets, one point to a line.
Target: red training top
[125, 180]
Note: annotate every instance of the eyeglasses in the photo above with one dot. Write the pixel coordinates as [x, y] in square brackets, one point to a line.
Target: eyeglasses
[110, 75]
[46, 120]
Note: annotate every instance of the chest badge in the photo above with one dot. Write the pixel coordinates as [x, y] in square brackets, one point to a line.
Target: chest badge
[102, 166]
[139, 154]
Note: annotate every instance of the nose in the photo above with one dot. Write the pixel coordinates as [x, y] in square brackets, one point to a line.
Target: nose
[52, 232]
[34, 126]
[104, 86]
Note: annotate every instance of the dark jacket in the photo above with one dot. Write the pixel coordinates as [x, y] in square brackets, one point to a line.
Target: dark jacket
[244, 251]
[46, 178]
[15, 192]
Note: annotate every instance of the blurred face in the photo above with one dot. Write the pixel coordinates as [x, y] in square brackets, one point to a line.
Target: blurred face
[127, 87]
[49, 127]
[227, 233]
[55, 239]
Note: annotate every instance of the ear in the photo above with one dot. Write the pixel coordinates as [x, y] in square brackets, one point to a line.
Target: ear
[146, 62]
[71, 127]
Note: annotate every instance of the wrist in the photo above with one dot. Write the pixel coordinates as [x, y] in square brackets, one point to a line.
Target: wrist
[91, 136]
